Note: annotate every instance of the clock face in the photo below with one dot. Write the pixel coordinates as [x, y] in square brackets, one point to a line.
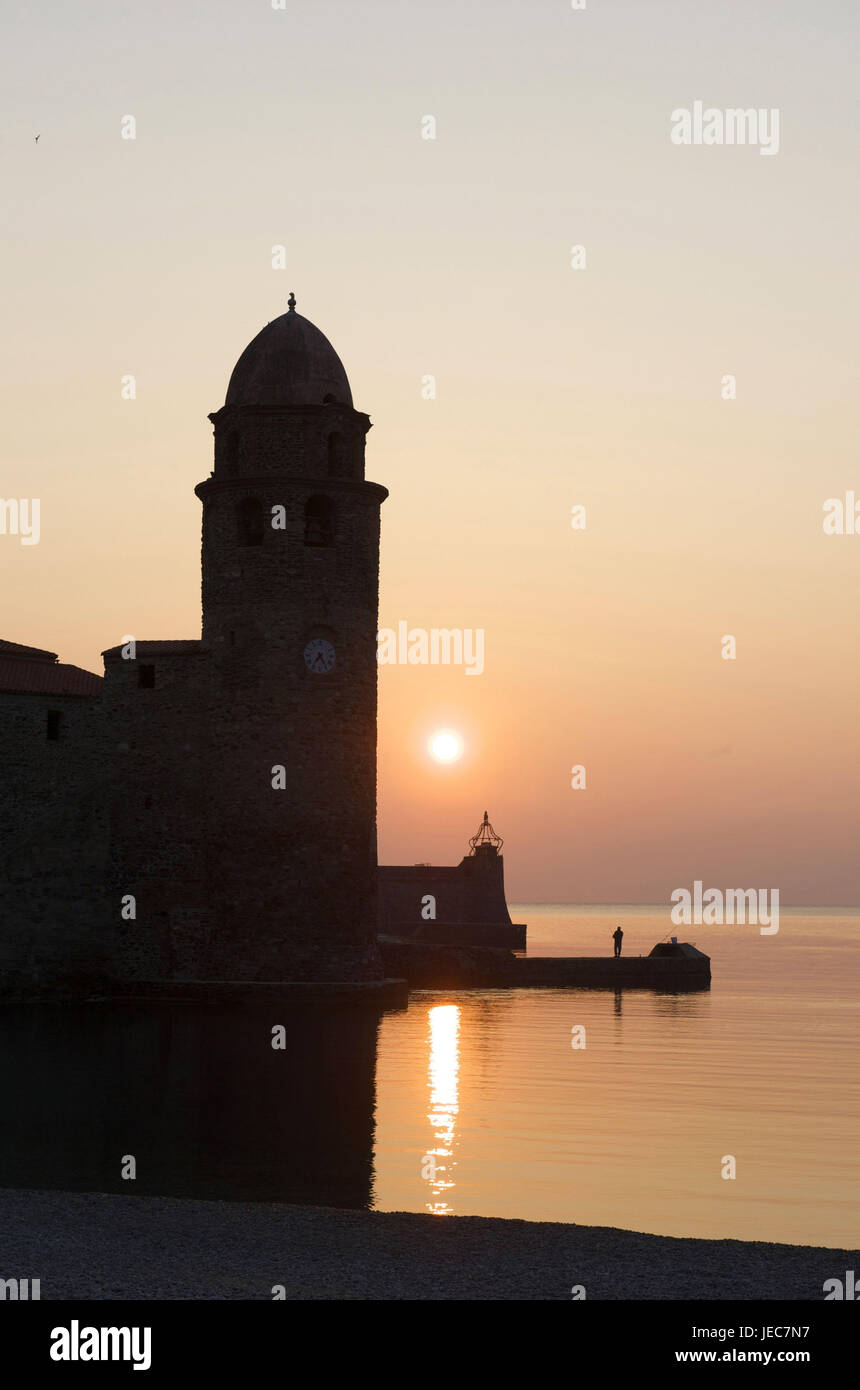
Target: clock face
[319, 656]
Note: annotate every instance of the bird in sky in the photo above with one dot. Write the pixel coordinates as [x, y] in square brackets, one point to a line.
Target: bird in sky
[37, 139]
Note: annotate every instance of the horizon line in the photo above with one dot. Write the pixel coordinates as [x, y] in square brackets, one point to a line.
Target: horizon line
[546, 902]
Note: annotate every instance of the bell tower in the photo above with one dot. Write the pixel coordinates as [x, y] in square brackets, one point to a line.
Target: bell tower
[290, 611]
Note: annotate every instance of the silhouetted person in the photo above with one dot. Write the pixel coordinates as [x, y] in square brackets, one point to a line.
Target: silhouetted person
[617, 937]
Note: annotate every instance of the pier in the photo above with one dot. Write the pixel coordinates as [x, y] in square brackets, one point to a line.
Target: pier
[670, 966]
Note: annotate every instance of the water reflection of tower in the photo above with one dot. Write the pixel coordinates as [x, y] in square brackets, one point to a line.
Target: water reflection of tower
[197, 1094]
[444, 1068]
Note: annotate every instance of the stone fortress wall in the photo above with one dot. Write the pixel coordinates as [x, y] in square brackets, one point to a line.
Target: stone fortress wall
[53, 822]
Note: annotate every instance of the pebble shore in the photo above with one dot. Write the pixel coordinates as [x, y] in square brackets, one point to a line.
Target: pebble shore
[102, 1246]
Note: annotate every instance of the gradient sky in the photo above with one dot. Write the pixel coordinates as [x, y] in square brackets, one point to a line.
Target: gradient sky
[601, 386]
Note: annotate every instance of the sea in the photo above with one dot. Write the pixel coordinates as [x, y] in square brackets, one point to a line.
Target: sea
[730, 1112]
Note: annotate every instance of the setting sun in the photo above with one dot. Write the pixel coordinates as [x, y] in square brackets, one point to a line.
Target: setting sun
[446, 746]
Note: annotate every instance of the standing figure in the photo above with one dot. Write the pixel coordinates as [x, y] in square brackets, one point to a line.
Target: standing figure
[617, 937]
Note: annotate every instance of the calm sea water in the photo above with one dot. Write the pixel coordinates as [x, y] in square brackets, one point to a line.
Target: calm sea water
[476, 1102]
[633, 1130]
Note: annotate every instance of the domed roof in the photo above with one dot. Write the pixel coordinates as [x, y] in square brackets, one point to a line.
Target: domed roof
[289, 363]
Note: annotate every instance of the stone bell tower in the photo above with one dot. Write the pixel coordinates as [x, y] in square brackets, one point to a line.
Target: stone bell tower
[290, 600]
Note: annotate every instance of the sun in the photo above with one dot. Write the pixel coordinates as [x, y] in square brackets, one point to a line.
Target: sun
[446, 746]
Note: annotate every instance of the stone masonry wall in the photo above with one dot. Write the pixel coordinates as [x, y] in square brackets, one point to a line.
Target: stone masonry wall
[471, 894]
[53, 845]
[155, 766]
[292, 870]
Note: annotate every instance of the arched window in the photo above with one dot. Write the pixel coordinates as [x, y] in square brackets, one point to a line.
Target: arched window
[249, 521]
[335, 455]
[231, 452]
[319, 521]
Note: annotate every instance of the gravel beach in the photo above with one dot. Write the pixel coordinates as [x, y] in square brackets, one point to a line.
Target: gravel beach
[101, 1246]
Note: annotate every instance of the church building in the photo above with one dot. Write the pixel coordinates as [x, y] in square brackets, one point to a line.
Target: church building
[207, 810]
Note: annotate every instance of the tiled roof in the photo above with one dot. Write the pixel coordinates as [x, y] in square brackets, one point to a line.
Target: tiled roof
[36, 676]
[17, 650]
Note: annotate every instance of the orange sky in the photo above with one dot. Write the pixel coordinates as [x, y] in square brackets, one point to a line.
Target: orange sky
[554, 387]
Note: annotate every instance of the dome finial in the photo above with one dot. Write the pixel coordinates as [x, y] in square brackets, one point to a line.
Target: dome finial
[290, 362]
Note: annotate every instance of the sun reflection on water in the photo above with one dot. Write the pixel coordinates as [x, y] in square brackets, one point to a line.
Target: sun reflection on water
[439, 1163]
